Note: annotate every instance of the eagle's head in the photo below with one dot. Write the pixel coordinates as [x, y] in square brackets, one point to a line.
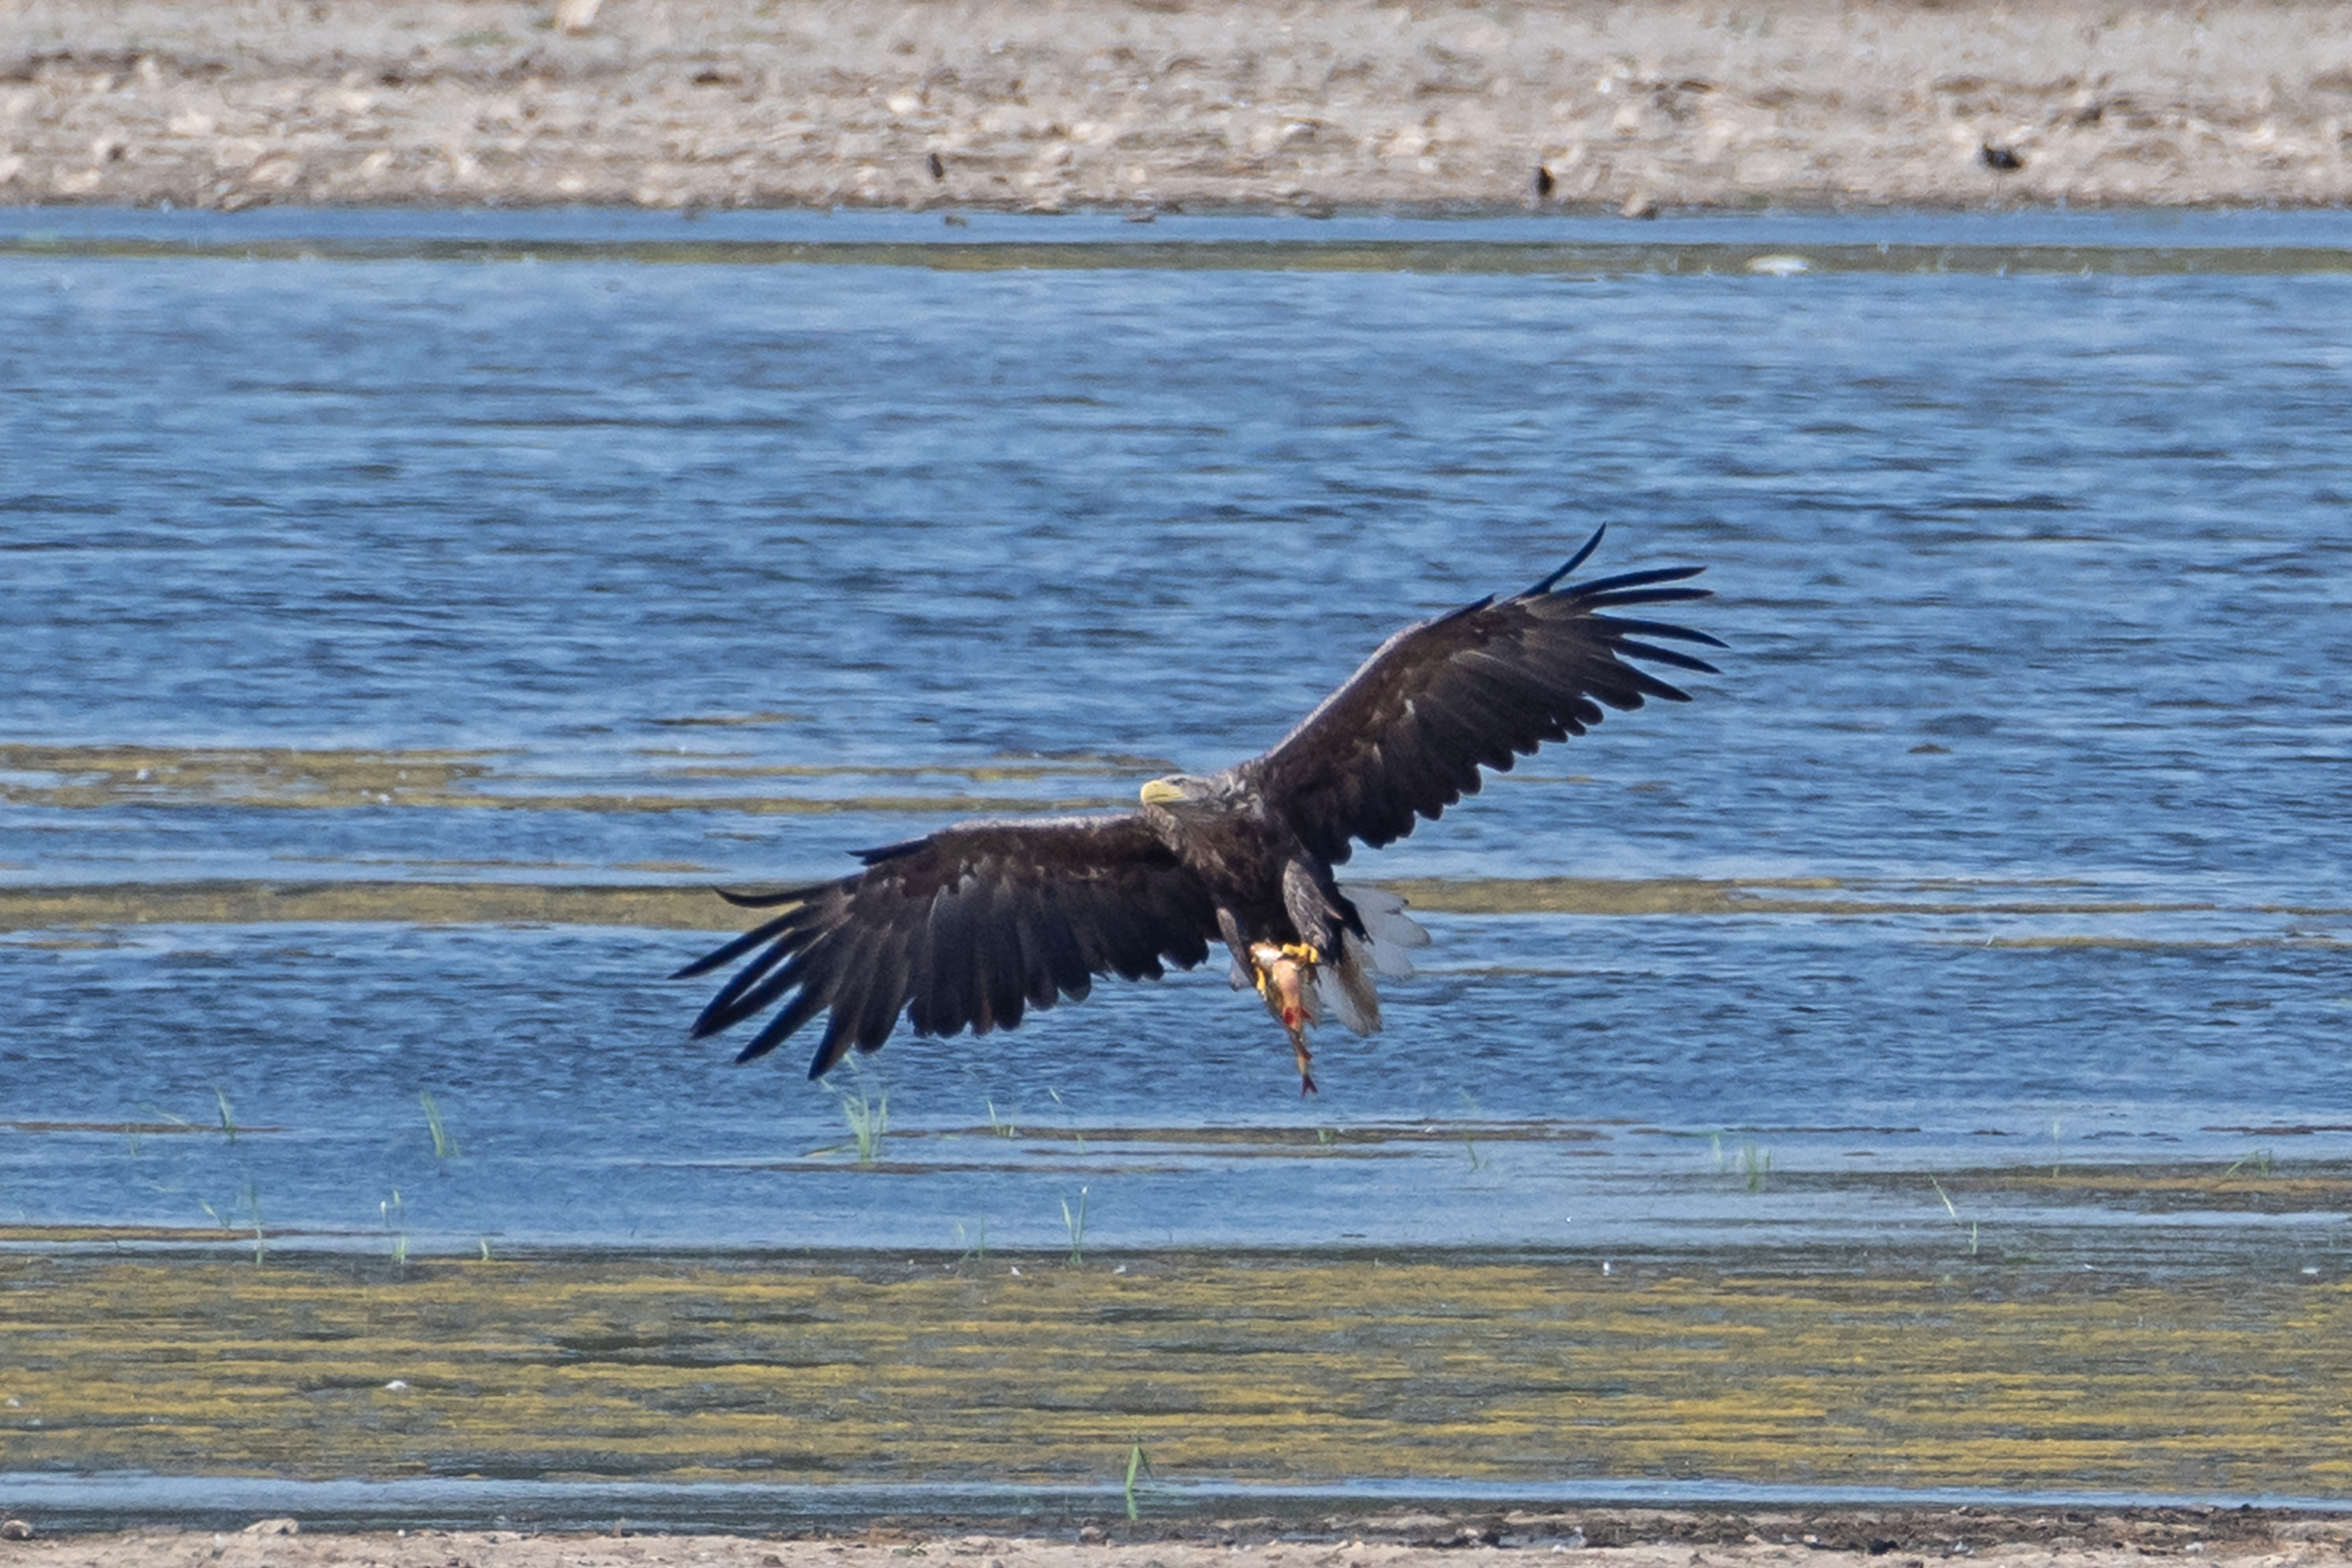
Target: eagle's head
[1220, 792]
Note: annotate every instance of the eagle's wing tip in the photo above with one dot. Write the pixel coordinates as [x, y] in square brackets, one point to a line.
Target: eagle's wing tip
[1575, 561]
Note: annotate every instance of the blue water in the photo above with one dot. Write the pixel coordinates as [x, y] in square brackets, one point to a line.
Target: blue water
[228, 1502]
[2036, 588]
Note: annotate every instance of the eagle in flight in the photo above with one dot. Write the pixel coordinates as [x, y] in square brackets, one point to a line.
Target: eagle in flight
[971, 926]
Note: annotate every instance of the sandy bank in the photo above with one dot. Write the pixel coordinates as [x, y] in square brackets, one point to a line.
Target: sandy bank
[1589, 1539]
[1313, 104]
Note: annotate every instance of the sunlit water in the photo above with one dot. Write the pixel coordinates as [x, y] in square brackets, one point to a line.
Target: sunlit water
[2036, 586]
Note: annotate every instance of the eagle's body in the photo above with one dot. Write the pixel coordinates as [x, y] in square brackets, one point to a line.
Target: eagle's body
[970, 926]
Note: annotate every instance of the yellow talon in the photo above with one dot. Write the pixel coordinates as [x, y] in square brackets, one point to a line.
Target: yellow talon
[1266, 958]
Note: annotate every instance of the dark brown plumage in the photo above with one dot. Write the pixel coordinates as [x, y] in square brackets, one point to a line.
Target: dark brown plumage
[972, 926]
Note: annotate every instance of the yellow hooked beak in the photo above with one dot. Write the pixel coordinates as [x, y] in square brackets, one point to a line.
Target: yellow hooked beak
[1159, 791]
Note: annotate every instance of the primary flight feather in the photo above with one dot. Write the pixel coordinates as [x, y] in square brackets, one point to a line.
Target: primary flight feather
[972, 926]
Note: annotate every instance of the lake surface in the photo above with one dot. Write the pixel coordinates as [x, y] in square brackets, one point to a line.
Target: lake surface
[648, 561]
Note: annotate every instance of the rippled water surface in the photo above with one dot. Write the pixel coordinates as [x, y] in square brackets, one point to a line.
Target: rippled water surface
[611, 570]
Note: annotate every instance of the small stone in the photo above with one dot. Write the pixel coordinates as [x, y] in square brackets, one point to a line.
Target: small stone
[15, 1529]
[274, 1527]
[1091, 1535]
[1638, 205]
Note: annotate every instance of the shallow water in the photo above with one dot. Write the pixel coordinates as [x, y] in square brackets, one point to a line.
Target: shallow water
[114, 1502]
[710, 571]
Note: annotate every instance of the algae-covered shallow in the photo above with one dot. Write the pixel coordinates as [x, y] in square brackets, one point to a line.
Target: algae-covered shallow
[1550, 1374]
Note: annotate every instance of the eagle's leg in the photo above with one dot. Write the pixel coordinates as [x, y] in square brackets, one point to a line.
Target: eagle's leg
[1285, 974]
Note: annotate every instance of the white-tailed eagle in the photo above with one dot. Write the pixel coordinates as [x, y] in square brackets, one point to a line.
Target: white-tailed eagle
[970, 927]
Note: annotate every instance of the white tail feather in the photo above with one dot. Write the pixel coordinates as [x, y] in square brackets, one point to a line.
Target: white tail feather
[1393, 932]
[1347, 989]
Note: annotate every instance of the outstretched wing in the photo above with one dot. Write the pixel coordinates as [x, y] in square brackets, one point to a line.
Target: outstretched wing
[964, 928]
[1408, 732]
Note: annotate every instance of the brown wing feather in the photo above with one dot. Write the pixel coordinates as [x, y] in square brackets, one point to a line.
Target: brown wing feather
[964, 928]
[1407, 734]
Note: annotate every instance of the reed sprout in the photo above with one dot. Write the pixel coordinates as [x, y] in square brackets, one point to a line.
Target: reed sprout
[248, 1202]
[1954, 1212]
[2260, 1159]
[395, 1220]
[1077, 1224]
[1074, 1130]
[868, 1116]
[1755, 1164]
[1137, 1465]
[444, 1147]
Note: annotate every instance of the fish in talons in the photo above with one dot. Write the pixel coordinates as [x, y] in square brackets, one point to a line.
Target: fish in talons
[1284, 972]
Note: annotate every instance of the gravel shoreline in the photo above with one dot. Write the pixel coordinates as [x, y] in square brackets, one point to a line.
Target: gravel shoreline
[1616, 1538]
[1312, 105]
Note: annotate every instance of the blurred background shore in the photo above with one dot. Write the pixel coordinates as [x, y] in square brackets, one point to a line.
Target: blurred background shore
[1143, 105]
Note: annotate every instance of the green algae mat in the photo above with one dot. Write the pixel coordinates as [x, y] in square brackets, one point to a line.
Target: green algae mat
[1020, 1371]
[694, 906]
